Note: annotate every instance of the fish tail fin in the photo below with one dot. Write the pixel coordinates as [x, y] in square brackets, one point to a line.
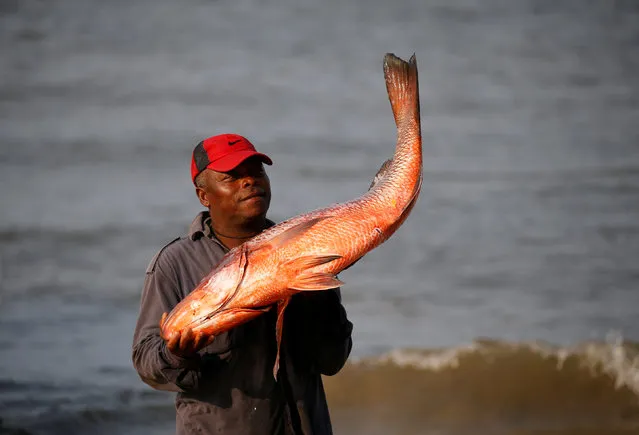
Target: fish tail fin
[402, 86]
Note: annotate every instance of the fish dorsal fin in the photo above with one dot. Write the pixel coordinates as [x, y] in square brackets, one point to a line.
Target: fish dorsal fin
[381, 173]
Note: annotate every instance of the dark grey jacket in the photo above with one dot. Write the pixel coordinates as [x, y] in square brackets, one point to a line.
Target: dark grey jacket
[229, 387]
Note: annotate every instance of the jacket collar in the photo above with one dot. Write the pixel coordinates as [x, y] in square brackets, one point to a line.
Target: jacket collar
[201, 226]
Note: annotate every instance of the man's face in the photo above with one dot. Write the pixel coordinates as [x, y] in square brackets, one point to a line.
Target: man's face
[238, 196]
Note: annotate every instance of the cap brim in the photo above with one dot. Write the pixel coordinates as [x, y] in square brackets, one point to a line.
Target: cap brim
[232, 161]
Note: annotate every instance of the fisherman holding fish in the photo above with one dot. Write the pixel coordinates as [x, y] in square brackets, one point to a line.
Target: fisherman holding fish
[225, 383]
[242, 316]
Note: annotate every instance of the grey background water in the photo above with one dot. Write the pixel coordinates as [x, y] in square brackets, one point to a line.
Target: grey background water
[528, 223]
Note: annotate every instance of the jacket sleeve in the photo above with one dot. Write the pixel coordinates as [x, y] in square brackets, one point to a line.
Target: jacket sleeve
[320, 330]
[155, 364]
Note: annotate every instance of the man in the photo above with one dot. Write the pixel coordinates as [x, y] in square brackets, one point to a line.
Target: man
[225, 383]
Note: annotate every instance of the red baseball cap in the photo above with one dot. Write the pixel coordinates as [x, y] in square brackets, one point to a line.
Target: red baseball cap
[223, 153]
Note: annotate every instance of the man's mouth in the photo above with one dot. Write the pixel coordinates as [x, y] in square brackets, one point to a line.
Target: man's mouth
[253, 195]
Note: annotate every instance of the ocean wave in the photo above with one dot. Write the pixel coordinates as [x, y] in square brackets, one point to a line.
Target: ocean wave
[614, 357]
[504, 387]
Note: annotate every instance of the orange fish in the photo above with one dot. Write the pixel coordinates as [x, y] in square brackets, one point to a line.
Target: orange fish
[306, 252]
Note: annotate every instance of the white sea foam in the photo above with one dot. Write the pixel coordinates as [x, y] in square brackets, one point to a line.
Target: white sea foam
[613, 357]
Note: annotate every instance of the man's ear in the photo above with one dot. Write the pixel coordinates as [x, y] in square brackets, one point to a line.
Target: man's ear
[201, 195]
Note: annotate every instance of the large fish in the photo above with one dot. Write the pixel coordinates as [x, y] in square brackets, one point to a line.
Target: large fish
[306, 252]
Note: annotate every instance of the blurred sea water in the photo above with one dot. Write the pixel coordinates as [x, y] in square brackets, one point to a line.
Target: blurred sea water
[511, 293]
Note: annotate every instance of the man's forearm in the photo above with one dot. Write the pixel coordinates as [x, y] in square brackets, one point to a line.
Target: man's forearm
[161, 369]
[155, 364]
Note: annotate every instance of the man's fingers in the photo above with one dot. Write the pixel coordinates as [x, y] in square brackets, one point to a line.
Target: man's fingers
[186, 340]
[202, 340]
[206, 340]
[174, 343]
[163, 319]
[198, 342]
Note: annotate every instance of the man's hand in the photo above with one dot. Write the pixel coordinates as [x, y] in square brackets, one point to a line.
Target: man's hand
[186, 344]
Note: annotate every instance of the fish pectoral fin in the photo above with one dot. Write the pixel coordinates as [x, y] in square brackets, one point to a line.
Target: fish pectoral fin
[309, 261]
[279, 326]
[310, 281]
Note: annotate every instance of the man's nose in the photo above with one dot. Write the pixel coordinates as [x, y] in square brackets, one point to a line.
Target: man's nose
[248, 181]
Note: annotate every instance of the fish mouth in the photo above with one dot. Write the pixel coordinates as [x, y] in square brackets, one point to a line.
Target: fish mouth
[228, 319]
[213, 323]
